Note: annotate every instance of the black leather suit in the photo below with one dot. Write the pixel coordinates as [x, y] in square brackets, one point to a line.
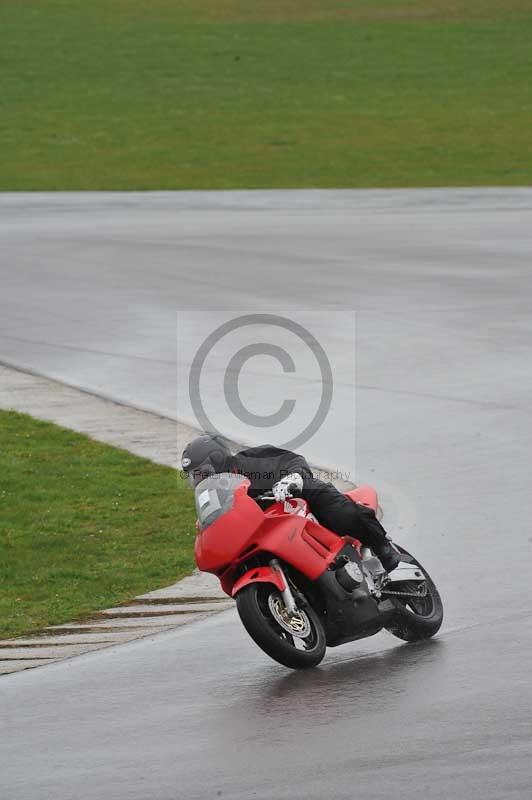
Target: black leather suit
[267, 464]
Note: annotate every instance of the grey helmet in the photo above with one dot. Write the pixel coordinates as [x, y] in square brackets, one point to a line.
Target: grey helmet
[205, 455]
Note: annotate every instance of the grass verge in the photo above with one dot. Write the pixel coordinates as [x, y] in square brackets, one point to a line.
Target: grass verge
[82, 525]
[197, 94]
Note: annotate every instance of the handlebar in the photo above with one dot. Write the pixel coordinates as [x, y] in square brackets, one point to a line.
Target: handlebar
[272, 498]
[269, 499]
[265, 501]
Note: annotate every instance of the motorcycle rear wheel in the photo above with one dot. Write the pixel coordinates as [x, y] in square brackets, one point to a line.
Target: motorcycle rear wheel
[263, 615]
[416, 618]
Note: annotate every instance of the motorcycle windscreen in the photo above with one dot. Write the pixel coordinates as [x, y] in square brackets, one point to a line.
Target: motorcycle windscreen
[215, 497]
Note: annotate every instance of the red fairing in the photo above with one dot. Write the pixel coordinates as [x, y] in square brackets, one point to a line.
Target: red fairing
[259, 575]
[231, 535]
[366, 495]
[246, 529]
[301, 542]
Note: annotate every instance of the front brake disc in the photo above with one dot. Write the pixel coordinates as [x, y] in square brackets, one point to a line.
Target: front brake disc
[297, 625]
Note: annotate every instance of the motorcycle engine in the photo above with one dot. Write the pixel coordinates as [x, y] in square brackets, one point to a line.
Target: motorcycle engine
[350, 576]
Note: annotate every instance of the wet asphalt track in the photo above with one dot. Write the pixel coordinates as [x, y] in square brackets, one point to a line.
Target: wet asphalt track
[442, 286]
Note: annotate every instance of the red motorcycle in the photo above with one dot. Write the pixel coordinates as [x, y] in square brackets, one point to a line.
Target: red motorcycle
[298, 586]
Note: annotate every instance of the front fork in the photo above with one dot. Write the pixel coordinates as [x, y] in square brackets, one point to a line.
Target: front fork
[288, 598]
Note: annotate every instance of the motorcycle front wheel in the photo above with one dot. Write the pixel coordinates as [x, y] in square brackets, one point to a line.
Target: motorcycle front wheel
[297, 642]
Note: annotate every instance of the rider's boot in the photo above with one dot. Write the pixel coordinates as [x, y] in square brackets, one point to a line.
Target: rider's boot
[375, 536]
[386, 553]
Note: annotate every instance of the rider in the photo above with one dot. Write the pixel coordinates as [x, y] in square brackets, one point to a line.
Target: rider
[283, 472]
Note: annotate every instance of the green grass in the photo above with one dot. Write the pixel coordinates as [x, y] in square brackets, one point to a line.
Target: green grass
[196, 94]
[82, 525]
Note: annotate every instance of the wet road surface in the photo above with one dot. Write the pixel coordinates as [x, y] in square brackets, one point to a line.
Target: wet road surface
[201, 713]
[441, 283]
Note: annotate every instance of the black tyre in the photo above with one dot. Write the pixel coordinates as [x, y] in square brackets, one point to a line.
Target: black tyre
[415, 618]
[298, 642]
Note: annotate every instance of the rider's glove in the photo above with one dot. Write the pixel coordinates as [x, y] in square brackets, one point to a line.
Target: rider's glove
[287, 486]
